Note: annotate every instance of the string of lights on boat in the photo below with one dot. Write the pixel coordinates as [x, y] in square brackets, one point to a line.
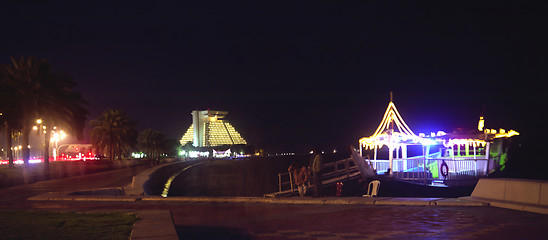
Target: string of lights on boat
[394, 133]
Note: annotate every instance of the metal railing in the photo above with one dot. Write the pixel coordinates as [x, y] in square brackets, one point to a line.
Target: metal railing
[420, 168]
[338, 170]
[331, 173]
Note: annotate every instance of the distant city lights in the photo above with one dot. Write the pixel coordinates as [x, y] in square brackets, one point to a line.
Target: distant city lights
[222, 154]
[138, 155]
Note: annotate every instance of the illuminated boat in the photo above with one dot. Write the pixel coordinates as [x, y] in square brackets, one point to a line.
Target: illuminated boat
[433, 165]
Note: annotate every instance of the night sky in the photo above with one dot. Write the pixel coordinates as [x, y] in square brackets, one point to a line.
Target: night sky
[299, 74]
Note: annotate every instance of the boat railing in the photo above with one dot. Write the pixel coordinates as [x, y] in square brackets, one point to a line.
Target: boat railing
[431, 169]
[332, 172]
[335, 170]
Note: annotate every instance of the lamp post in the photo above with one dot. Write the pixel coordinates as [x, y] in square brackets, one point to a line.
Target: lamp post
[38, 129]
[56, 136]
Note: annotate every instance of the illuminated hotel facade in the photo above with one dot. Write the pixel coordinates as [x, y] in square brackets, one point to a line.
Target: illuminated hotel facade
[209, 129]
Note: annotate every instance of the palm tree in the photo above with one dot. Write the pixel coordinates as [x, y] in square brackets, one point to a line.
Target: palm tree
[37, 92]
[10, 118]
[9, 122]
[113, 132]
[25, 78]
[62, 107]
[151, 142]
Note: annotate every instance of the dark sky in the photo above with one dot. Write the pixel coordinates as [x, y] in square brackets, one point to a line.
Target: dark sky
[297, 74]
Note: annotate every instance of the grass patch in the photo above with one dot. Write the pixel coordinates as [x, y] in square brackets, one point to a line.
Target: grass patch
[65, 225]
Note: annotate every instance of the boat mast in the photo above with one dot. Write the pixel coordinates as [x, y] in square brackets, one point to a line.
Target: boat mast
[390, 142]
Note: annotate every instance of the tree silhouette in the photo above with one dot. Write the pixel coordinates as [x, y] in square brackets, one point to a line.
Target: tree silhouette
[113, 132]
[62, 107]
[35, 91]
[151, 142]
[10, 118]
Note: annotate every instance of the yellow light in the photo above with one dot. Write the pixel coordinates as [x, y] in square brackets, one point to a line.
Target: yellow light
[39, 121]
[470, 142]
[481, 124]
[380, 137]
[507, 134]
[57, 136]
[34, 128]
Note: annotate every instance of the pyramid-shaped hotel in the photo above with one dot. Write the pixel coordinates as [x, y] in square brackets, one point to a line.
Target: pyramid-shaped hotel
[209, 129]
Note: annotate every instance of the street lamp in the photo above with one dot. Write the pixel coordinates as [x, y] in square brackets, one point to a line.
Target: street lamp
[56, 137]
[38, 130]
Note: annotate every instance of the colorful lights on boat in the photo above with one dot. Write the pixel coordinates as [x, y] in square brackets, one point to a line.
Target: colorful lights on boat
[469, 142]
[502, 133]
[387, 135]
[396, 135]
[481, 124]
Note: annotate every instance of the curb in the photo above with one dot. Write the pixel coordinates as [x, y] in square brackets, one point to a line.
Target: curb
[536, 208]
[306, 200]
[64, 196]
[393, 201]
[408, 201]
[324, 201]
[137, 182]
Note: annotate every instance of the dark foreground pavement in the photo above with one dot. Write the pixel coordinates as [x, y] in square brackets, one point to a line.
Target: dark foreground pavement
[244, 220]
[308, 221]
[355, 222]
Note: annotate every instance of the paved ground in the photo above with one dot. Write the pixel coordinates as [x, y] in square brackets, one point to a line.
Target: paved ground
[291, 221]
[114, 178]
[355, 222]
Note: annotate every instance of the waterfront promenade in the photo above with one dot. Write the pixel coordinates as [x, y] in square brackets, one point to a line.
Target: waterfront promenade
[282, 218]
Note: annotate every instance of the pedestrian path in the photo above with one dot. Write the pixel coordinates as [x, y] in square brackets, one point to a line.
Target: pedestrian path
[64, 196]
[326, 200]
[154, 225]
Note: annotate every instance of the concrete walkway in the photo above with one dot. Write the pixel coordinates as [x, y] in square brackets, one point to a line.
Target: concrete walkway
[326, 200]
[154, 224]
[62, 196]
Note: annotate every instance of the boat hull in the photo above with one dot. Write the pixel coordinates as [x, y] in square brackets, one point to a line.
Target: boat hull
[393, 187]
